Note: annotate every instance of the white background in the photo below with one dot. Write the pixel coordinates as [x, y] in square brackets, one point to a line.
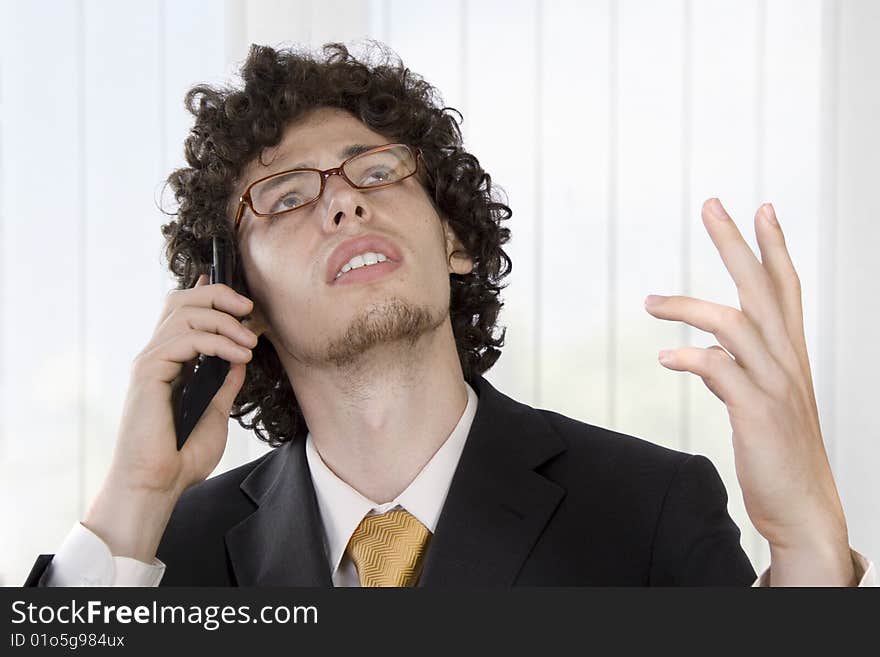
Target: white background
[606, 123]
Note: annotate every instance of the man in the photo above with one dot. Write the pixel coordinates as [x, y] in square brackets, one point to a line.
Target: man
[368, 243]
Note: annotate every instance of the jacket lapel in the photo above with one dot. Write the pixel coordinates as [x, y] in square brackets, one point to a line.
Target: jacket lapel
[281, 543]
[495, 510]
[497, 505]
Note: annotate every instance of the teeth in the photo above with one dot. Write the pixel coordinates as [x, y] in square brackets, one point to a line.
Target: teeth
[368, 258]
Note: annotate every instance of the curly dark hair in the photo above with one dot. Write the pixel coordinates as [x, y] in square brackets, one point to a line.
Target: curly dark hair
[233, 124]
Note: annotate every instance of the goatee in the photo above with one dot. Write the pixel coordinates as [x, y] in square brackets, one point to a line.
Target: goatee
[394, 321]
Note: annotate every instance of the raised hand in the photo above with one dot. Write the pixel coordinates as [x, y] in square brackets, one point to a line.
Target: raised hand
[761, 371]
[148, 474]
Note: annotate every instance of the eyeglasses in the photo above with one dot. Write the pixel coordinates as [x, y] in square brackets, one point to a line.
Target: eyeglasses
[297, 188]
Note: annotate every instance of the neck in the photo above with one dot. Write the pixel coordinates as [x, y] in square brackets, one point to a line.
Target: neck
[378, 422]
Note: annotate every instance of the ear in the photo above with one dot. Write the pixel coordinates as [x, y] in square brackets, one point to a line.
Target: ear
[456, 255]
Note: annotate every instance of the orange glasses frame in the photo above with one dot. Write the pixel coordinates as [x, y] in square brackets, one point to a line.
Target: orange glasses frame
[245, 199]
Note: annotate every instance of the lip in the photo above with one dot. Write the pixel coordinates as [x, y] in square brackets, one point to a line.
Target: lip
[350, 248]
[367, 274]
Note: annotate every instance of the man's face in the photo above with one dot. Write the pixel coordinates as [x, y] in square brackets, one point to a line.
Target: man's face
[312, 316]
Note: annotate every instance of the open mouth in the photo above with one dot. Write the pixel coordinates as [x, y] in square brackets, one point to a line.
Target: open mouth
[367, 273]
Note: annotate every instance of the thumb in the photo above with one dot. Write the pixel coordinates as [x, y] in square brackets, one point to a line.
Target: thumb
[207, 442]
[231, 385]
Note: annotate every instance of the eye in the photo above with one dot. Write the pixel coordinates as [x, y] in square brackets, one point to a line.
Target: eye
[289, 201]
[285, 192]
[376, 175]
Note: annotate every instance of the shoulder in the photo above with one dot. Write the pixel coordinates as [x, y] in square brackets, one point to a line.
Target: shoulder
[575, 454]
[600, 461]
[627, 503]
[607, 446]
[565, 439]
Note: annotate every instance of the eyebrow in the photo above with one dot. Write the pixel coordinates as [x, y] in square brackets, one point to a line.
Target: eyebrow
[345, 153]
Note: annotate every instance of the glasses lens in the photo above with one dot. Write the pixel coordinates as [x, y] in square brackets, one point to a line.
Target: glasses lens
[382, 167]
[286, 192]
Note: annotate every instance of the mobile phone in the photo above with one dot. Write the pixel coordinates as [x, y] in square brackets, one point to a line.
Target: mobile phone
[205, 377]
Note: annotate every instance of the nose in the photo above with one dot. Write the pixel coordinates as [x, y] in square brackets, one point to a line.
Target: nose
[341, 201]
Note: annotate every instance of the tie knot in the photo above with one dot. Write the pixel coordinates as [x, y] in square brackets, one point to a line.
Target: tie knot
[388, 549]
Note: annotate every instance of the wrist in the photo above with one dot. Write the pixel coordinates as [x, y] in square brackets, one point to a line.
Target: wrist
[819, 563]
[130, 521]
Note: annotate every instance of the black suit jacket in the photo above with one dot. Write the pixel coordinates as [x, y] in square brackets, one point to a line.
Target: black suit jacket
[537, 498]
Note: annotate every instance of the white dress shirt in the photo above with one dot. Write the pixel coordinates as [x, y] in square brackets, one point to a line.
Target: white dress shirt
[85, 560]
[342, 507]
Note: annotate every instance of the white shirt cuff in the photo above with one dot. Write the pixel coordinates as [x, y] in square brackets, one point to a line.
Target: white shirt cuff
[85, 560]
[866, 572]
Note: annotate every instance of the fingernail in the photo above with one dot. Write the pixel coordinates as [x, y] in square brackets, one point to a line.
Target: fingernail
[653, 300]
[717, 209]
[769, 214]
[664, 356]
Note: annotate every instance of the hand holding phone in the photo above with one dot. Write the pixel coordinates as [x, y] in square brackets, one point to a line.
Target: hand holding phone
[149, 472]
[199, 381]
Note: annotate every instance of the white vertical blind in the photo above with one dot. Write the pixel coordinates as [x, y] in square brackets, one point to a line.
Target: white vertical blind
[647, 222]
[499, 129]
[43, 300]
[855, 302]
[606, 123]
[574, 172]
[121, 160]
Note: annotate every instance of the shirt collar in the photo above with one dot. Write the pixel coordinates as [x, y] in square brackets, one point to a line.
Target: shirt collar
[342, 507]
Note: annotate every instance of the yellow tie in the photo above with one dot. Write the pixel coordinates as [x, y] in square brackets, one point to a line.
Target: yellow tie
[388, 549]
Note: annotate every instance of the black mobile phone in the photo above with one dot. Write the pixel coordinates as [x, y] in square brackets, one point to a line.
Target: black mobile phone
[203, 377]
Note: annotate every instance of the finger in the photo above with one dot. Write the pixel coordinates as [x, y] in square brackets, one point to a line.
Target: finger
[165, 361]
[172, 298]
[777, 262]
[188, 318]
[225, 397]
[731, 328]
[721, 374]
[217, 296]
[755, 289]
